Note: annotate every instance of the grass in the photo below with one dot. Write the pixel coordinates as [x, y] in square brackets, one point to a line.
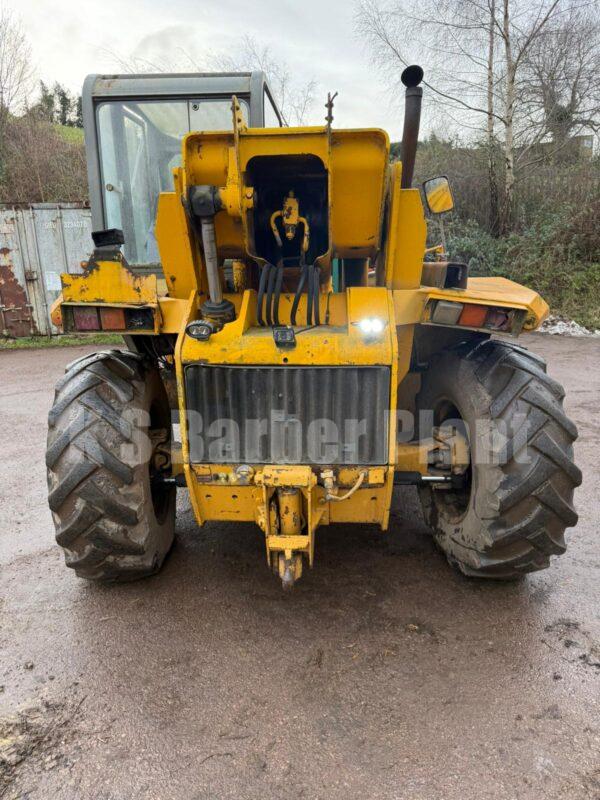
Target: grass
[70, 134]
[66, 340]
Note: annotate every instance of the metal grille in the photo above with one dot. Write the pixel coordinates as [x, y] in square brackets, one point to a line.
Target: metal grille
[287, 415]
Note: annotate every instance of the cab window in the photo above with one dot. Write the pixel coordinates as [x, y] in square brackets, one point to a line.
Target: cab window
[271, 116]
[140, 144]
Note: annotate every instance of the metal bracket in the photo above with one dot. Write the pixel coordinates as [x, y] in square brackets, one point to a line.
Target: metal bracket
[275, 479]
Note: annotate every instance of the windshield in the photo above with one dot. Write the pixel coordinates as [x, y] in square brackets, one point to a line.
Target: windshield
[140, 144]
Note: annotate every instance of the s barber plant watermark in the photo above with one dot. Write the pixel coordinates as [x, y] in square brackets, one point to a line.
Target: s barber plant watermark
[287, 439]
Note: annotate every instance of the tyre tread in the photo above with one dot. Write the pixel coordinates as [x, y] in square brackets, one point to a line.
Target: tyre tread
[93, 517]
[537, 494]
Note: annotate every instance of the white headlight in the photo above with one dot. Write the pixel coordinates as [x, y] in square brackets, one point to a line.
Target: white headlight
[371, 326]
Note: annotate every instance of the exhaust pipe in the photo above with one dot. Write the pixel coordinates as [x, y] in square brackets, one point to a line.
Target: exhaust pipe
[411, 77]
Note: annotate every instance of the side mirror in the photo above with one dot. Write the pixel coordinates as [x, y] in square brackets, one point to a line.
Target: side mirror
[438, 195]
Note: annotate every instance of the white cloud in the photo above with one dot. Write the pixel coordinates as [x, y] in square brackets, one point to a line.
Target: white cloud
[316, 38]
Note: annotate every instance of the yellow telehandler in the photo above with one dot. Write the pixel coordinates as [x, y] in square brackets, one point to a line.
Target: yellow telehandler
[271, 287]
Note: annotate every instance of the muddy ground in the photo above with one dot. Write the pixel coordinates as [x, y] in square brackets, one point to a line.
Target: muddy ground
[383, 675]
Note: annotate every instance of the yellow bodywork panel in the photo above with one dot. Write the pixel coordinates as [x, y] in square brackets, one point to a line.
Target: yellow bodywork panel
[244, 342]
[407, 234]
[175, 243]
[410, 305]
[110, 283]
[359, 164]
[498, 292]
[356, 162]
[218, 493]
[172, 311]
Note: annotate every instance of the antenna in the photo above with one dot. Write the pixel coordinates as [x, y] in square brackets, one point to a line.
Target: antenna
[329, 107]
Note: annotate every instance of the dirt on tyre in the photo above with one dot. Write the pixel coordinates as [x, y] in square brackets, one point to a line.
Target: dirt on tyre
[508, 515]
[113, 521]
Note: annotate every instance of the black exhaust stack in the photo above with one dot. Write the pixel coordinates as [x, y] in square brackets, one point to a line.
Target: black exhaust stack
[411, 78]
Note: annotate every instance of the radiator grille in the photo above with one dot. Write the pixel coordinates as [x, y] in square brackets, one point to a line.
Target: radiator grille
[287, 415]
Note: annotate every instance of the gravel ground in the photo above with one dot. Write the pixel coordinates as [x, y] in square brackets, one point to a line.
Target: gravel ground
[384, 674]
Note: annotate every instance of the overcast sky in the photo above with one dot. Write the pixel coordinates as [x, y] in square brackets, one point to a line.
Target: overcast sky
[71, 38]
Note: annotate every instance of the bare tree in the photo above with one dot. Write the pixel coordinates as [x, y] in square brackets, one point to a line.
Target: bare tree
[477, 54]
[134, 64]
[294, 99]
[457, 41]
[16, 72]
[561, 80]
[450, 37]
[493, 218]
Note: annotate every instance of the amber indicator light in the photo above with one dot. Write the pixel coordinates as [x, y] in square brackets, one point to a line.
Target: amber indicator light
[473, 316]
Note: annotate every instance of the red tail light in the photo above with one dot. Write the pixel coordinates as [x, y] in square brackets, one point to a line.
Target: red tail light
[113, 319]
[85, 318]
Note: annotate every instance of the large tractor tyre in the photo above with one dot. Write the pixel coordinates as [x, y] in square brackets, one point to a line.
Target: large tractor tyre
[509, 513]
[113, 519]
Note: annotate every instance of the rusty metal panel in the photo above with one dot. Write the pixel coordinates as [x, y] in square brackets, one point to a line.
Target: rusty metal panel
[31, 269]
[37, 243]
[16, 318]
[62, 236]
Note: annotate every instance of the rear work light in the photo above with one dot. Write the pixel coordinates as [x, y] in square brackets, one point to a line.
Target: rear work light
[139, 319]
[473, 315]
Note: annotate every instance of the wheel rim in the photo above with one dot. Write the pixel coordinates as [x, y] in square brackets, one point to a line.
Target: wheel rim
[159, 491]
[453, 503]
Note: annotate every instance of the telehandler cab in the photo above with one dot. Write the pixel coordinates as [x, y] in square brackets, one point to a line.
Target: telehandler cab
[271, 286]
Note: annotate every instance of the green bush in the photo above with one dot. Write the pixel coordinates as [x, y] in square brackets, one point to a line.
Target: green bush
[558, 255]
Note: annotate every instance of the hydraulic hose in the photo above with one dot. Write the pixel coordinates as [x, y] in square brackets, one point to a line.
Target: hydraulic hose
[310, 292]
[301, 284]
[338, 498]
[261, 293]
[270, 287]
[316, 291]
[278, 283]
